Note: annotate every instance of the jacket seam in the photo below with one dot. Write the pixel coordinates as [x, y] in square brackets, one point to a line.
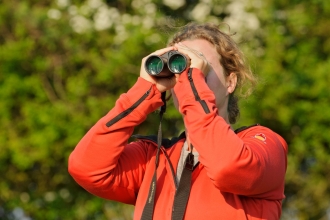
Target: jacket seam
[195, 92]
[127, 111]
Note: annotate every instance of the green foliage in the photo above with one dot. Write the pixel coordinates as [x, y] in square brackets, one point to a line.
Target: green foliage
[293, 98]
[61, 69]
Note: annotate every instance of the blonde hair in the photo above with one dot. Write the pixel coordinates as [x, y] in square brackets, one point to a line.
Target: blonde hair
[232, 59]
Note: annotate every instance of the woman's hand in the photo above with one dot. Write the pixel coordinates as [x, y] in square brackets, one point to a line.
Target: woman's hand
[197, 59]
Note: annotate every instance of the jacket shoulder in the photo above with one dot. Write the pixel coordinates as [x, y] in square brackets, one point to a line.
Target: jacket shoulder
[260, 131]
[257, 129]
[243, 128]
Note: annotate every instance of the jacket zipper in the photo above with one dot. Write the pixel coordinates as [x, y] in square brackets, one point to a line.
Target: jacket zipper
[129, 110]
[197, 98]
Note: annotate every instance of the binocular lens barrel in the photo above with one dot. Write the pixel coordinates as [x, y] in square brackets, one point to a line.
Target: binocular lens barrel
[177, 63]
[154, 65]
[174, 62]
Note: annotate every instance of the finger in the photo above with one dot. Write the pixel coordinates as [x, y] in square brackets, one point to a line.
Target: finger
[162, 51]
[196, 52]
[192, 53]
[198, 60]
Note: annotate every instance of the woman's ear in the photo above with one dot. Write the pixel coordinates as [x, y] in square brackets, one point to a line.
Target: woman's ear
[231, 82]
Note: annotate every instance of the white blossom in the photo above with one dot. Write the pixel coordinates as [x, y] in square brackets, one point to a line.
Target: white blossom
[200, 11]
[174, 4]
[54, 14]
[104, 17]
[63, 3]
[94, 3]
[239, 18]
[80, 24]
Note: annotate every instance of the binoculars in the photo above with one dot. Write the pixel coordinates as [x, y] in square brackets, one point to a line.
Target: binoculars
[166, 65]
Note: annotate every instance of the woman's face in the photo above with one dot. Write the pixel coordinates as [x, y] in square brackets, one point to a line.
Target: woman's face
[216, 80]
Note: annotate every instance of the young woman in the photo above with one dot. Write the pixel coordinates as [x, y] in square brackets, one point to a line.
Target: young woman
[208, 172]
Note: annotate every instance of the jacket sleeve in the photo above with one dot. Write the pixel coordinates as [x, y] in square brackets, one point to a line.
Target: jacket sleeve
[247, 164]
[103, 162]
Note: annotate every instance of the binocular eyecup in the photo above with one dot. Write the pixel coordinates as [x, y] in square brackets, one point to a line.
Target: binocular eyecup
[166, 65]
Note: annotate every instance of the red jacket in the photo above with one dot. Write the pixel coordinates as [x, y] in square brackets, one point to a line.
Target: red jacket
[239, 176]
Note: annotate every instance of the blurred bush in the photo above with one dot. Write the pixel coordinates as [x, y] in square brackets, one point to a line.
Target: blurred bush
[63, 64]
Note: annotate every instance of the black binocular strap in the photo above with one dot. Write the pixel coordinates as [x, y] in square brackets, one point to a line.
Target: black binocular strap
[181, 195]
[149, 206]
[183, 191]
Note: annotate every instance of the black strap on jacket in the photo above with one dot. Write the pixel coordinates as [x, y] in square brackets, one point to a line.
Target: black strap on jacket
[183, 191]
[148, 210]
[181, 195]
